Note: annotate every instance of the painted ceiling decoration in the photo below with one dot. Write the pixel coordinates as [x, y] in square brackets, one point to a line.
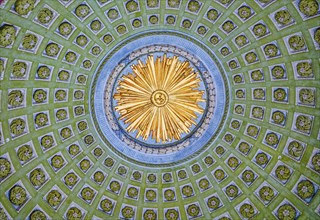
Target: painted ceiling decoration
[159, 109]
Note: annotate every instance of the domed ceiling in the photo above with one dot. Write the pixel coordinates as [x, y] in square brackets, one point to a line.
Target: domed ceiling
[159, 109]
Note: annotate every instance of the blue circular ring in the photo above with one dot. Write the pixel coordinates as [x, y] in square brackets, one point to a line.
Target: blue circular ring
[101, 78]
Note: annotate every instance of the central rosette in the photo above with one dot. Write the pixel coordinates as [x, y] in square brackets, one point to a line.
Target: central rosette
[160, 98]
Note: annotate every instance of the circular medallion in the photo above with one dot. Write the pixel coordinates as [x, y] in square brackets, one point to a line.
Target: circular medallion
[159, 104]
[159, 98]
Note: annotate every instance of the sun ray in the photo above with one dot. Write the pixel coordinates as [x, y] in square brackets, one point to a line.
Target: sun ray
[160, 98]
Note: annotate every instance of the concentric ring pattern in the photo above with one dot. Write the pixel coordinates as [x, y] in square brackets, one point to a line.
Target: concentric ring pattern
[260, 160]
[149, 152]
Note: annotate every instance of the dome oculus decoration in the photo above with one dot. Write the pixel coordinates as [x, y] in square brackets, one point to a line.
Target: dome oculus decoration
[208, 80]
[160, 98]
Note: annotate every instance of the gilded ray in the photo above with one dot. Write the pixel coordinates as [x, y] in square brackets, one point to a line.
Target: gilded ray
[160, 98]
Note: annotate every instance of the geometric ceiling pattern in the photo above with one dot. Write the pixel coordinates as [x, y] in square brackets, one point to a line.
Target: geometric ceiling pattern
[261, 162]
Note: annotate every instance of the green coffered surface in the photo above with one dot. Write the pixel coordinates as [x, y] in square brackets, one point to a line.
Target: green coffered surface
[264, 162]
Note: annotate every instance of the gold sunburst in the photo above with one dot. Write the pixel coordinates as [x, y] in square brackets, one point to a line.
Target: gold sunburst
[159, 98]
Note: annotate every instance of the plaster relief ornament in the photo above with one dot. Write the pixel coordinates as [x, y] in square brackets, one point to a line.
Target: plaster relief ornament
[160, 98]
